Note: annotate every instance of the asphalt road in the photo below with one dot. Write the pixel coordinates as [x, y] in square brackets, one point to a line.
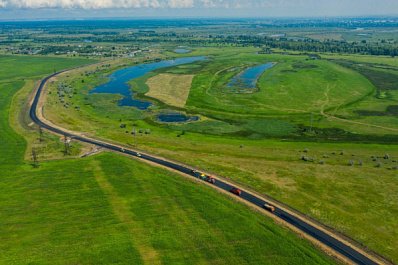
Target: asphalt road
[307, 228]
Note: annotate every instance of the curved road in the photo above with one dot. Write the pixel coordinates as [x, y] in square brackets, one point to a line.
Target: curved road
[307, 228]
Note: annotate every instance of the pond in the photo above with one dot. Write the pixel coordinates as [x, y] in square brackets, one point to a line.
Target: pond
[175, 117]
[182, 50]
[118, 81]
[249, 77]
[277, 35]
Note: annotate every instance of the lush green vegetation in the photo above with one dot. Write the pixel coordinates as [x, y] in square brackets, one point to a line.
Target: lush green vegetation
[111, 209]
[292, 137]
[115, 210]
[232, 137]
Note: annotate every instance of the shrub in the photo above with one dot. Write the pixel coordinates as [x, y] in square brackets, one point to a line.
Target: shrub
[378, 164]
[305, 150]
[325, 156]
[351, 163]
[360, 163]
[322, 162]
[147, 131]
[342, 153]
[123, 125]
[386, 156]
[304, 158]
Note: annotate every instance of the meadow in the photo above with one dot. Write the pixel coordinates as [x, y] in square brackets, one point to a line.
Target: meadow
[334, 172]
[109, 209]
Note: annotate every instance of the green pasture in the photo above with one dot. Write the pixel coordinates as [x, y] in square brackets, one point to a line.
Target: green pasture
[232, 136]
[110, 209]
[26, 66]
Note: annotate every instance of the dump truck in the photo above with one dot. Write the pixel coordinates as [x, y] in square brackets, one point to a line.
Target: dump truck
[269, 207]
[210, 179]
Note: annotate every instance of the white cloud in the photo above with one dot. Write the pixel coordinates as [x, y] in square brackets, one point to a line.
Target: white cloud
[180, 3]
[84, 4]
[208, 3]
[242, 7]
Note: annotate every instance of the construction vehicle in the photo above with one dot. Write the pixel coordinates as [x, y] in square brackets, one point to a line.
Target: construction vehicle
[193, 171]
[203, 176]
[269, 207]
[236, 191]
[210, 179]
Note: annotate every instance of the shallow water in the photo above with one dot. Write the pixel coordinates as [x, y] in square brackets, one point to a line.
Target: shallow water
[249, 77]
[182, 50]
[176, 117]
[118, 81]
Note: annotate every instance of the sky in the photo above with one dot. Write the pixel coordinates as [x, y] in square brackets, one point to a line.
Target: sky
[58, 9]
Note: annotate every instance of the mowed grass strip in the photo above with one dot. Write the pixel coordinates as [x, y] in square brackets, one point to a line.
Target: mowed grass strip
[12, 146]
[170, 88]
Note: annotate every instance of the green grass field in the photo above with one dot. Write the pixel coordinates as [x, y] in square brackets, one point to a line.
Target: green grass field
[274, 137]
[110, 209]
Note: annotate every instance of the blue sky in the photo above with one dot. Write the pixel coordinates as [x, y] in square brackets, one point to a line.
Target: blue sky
[29, 9]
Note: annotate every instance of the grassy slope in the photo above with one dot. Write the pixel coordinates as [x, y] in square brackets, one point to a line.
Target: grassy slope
[111, 209]
[281, 91]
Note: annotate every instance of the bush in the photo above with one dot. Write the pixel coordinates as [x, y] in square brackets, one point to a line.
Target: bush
[123, 125]
[386, 156]
[304, 158]
[351, 163]
[325, 156]
[322, 162]
[305, 150]
[378, 164]
[342, 153]
[360, 163]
